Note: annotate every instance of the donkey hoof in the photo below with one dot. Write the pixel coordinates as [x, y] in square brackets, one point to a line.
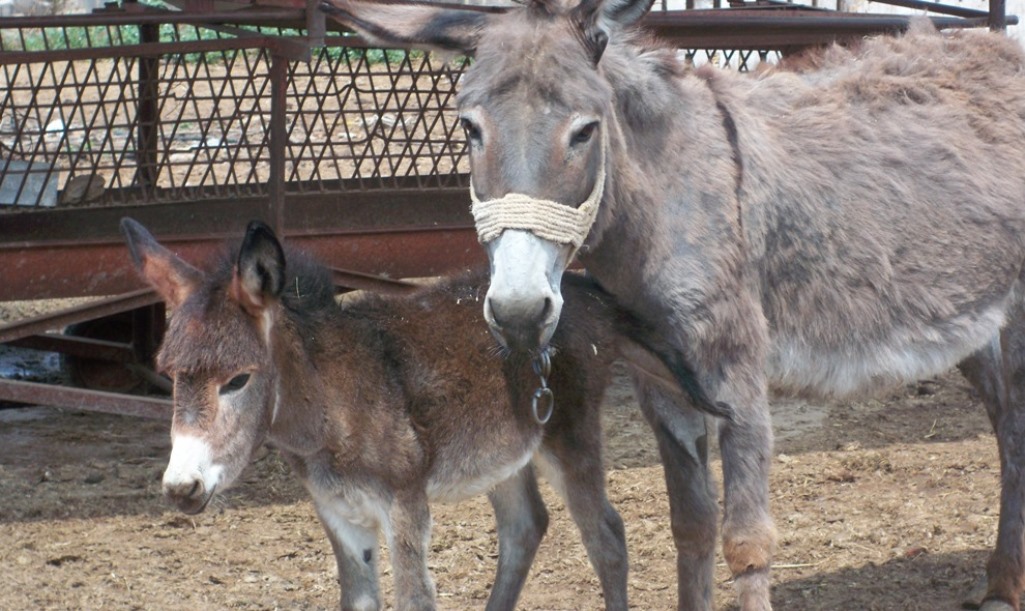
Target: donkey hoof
[996, 605]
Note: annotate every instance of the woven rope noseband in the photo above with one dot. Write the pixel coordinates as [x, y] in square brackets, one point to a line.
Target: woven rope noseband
[546, 219]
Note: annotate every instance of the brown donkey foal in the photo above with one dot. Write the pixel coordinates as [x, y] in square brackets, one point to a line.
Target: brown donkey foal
[382, 405]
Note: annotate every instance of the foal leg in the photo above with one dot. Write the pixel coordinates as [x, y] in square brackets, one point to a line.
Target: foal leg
[522, 521]
[572, 462]
[409, 541]
[998, 372]
[356, 553]
[682, 435]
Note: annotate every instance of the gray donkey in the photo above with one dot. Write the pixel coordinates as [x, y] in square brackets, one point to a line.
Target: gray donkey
[384, 404]
[822, 232]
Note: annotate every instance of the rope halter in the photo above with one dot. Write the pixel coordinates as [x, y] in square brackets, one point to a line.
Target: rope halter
[544, 218]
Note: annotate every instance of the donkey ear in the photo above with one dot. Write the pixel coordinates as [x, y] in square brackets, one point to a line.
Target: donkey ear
[438, 28]
[260, 271]
[173, 278]
[624, 12]
[596, 18]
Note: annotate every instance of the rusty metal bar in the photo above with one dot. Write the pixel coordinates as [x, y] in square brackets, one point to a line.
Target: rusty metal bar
[136, 50]
[274, 215]
[156, 16]
[783, 27]
[998, 17]
[85, 400]
[936, 7]
[114, 305]
[780, 29]
[151, 377]
[148, 111]
[368, 282]
[115, 352]
[316, 23]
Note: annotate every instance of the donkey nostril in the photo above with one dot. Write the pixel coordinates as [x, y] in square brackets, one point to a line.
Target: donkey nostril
[184, 490]
[546, 311]
[517, 313]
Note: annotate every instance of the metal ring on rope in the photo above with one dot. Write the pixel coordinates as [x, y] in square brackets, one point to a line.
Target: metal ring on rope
[543, 396]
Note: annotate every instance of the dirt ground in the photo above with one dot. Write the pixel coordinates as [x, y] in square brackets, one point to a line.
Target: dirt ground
[884, 505]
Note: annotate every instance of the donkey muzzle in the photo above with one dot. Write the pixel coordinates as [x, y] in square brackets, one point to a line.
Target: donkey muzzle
[524, 302]
[191, 476]
[519, 324]
[190, 497]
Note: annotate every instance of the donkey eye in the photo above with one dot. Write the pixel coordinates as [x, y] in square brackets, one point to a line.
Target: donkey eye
[583, 135]
[235, 384]
[471, 129]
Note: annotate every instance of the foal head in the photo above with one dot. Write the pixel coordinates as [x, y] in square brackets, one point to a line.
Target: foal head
[535, 107]
[217, 348]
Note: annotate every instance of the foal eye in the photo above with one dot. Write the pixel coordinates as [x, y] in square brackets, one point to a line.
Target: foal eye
[471, 129]
[235, 383]
[584, 134]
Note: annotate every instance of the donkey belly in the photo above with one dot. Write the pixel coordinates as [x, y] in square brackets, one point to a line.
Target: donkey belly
[460, 473]
[871, 360]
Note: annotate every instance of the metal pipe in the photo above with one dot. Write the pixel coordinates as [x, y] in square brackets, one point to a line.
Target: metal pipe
[97, 309]
[275, 213]
[935, 7]
[33, 393]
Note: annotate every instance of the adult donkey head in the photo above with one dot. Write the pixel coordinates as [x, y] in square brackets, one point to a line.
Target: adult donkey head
[536, 110]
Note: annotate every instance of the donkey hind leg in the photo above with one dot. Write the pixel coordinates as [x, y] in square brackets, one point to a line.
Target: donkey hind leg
[356, 552]
[577, 473]
[522, 521]
[998, 373]
[682, 435]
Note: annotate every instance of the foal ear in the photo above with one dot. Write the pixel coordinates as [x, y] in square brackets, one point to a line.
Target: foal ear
[260, 271]
[416, 25]
[173, 278]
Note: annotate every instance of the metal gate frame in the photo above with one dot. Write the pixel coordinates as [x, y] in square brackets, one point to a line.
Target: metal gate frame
[371, 226]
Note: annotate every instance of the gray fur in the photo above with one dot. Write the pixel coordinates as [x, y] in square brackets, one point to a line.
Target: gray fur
[831, 229]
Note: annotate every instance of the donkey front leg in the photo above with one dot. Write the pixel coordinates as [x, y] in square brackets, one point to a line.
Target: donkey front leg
[732, 361]
[998, 373]
[682, 435]
[409, 540]
[356, 553]
[749, 537]
[522, 521]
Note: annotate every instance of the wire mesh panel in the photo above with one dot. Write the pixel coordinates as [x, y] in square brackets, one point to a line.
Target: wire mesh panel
[147, 113]
[742, 60]
[372, 117]
[124, 129]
